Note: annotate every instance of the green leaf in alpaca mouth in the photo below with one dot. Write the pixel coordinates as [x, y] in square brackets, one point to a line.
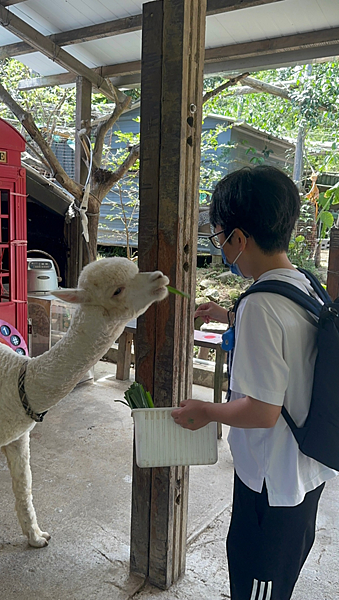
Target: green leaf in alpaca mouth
[173, 290]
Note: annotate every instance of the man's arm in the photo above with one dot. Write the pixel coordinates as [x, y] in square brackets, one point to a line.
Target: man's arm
[246, 413]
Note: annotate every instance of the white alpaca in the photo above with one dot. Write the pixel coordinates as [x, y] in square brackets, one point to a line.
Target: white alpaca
[110, 293]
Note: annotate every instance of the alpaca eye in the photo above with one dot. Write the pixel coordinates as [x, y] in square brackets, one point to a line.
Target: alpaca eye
[117, 291]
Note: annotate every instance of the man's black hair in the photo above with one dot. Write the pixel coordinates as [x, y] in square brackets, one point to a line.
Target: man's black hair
[262, 201]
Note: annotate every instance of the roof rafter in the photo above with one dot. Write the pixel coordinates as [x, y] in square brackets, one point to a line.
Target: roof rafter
[77, 36]
[287, 43]
[249, 56]
[10, 2]
[215, 7]
[53, 51]
[118, 27]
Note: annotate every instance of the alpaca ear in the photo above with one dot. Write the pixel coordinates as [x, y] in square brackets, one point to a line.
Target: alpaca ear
[73, 295]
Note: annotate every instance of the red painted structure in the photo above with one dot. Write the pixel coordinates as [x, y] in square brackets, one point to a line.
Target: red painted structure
[13, 230]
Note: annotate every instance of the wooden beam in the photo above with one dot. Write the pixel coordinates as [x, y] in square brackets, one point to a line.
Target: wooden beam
[54, 52]
[272, 61]
[171, 116]
[47, 81]
[112, 71]
[77, 36]
[288, 43]
[249, 56]
[149, 174]
[215, 7]
[116, 27]
[10, 2]
[333, 264]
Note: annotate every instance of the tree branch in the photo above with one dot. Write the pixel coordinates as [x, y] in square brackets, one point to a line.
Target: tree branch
[111, 177]
[222, 87]
[28, 123]
[267, 88]
[120, 107]
[257, 86]
[242, 90]
[43, 162]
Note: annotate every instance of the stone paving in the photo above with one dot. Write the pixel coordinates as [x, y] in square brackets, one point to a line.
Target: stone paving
[82, 464]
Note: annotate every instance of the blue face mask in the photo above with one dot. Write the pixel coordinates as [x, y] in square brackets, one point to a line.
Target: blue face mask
[234, 268]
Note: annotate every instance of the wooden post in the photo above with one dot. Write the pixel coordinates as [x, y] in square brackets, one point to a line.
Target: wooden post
[73, 230]
[333, 264]
[124, 355]
[171, 116]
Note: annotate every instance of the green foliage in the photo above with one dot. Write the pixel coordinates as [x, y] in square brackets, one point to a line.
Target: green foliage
[137, 397]
[214, 158]
[333, 194]
[313, 103]
[298, 251]
[258, 158]
[52, 107]
[325, 217]
[108, 251]
[126, 189]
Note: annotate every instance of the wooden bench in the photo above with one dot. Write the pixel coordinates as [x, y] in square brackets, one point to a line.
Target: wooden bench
[205, 339]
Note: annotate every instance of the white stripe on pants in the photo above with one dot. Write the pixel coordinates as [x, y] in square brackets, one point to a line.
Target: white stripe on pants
[261, 590]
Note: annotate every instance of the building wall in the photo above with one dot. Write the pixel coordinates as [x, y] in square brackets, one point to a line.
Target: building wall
[238, 145]
[272, 151]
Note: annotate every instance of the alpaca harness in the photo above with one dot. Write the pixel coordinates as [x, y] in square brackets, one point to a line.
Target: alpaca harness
[38, 417]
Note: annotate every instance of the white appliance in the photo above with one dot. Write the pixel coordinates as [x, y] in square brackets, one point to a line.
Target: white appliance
[41, 275]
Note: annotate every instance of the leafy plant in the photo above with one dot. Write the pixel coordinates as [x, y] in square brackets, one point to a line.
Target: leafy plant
[214, 157]
[325, 218]
[298, 251]
[125, 205]
[136, 397]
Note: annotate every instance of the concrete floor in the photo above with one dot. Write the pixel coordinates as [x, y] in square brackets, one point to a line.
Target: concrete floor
[81, 463]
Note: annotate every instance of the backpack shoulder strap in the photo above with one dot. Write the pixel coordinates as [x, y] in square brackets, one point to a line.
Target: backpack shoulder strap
[315, 283]
[288, 290]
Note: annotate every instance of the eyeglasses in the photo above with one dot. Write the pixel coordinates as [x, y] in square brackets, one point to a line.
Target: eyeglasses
[214, 239]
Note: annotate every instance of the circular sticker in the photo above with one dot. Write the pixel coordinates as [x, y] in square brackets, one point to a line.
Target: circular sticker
[5, 330]
[15, 340]
[12, 338]
[20, 351]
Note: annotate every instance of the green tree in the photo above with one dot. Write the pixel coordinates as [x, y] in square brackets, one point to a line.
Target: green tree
[42, 113]
[312, 103]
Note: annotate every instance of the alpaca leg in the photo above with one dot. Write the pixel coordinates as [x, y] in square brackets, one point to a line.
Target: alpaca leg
[18, 454]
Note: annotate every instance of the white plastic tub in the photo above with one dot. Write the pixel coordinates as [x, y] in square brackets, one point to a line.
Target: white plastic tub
[160, 442]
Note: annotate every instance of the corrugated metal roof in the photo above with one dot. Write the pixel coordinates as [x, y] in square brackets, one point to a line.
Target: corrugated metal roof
[283, 18]
[271, 21]
[46, 192]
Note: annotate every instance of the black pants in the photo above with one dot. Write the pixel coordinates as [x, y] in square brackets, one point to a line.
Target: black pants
[268, 545]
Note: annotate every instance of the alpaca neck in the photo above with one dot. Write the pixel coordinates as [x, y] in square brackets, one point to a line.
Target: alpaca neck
[51, 376]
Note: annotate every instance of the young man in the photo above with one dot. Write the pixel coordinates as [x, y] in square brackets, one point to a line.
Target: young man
[276, 487]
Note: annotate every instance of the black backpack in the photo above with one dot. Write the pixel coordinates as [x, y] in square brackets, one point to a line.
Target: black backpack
[319, 436]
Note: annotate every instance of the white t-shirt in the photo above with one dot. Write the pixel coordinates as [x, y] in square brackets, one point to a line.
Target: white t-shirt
[273, 361]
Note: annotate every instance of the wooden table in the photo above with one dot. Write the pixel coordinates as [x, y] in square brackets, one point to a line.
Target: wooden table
[205, 339]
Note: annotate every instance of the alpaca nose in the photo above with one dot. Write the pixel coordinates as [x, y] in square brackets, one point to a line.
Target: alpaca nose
[156, 275]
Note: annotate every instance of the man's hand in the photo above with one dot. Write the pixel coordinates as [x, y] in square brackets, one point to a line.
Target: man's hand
[192, 414]
[245, 412]
[211, 311]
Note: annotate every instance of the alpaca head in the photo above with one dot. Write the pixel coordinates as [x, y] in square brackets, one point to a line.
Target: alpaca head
[116, 285]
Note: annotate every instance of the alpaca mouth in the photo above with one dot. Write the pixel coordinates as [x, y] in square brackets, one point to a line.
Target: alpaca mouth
[160, 290]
